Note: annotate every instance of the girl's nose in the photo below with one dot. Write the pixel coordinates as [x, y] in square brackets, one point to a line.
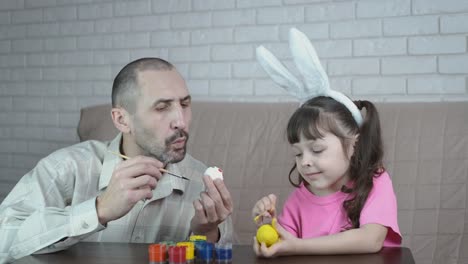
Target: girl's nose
[306, 164]
[306, 160]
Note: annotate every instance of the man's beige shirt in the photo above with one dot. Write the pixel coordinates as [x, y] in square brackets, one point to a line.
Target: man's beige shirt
[53, 206]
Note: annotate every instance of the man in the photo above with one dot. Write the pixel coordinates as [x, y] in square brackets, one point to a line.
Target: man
[86, 193]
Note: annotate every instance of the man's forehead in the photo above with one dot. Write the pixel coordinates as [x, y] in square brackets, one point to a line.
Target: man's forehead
[163, 82]
[169, 99]
[161, 90]
[157, 76]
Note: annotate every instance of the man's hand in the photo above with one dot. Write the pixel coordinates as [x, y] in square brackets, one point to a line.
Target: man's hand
[213, 207]
[132, 181]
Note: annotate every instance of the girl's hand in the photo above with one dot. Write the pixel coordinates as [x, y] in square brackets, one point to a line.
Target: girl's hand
[265, 207]
[285, 245]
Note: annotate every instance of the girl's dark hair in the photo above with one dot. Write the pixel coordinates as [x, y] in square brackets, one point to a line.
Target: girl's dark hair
[326, 114]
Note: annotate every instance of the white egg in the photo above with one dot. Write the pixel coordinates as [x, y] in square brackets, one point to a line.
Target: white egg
[214, 173]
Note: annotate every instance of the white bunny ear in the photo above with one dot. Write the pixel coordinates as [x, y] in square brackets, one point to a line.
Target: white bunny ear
[278, 73]
[308, 63]
[315, 77]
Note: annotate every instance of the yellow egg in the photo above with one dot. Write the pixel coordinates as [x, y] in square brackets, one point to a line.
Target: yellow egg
[267, 234]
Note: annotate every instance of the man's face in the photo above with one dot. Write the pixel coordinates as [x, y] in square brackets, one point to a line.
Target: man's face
[161, 121]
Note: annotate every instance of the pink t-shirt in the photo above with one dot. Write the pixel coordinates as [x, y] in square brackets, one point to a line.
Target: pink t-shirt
[306, 215]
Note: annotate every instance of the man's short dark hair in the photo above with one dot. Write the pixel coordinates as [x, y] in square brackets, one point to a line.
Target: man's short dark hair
[125, 87]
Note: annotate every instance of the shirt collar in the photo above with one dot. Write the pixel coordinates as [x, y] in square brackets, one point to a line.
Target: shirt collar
[111, 160]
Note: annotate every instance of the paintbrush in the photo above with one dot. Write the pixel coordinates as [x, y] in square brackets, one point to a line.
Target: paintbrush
[160, 169]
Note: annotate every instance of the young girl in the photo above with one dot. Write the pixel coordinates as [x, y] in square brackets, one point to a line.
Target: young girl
[344, 201]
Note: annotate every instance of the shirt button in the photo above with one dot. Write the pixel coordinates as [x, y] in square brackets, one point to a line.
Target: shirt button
[84, 225]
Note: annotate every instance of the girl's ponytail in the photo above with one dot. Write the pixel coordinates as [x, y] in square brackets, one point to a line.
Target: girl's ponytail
[370, 146]
[366, 161]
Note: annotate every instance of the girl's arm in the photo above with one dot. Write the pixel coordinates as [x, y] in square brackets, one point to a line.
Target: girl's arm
[368, 238]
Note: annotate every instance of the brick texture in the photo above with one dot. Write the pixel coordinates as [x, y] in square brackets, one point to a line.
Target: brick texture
[57, 56]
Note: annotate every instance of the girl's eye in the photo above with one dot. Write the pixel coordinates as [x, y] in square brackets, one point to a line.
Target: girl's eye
[317, 151]
[298, 155]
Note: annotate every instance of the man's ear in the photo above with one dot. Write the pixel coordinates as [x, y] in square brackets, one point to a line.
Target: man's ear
[121, 119]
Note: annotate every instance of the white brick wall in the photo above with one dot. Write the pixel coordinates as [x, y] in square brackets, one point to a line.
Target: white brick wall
[57, 56]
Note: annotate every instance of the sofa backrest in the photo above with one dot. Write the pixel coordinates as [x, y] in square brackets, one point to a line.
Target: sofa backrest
[426, 154]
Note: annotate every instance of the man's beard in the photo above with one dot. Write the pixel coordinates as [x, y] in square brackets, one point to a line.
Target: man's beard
[174, 159]
[162, 153]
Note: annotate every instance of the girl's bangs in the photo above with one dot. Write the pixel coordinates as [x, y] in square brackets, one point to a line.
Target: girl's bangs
[306, 121]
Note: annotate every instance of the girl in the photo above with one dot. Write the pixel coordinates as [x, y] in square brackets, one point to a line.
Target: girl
[344, 200]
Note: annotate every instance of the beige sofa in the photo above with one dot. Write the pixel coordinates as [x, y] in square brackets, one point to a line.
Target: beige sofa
[426, 155]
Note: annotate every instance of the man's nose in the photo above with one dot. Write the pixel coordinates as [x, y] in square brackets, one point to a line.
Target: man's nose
[178, 121]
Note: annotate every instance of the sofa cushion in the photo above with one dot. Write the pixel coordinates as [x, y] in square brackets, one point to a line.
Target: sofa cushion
[96, 123]
[426, 154]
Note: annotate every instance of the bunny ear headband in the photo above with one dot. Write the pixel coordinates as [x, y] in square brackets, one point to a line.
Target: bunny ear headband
[308, 64]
